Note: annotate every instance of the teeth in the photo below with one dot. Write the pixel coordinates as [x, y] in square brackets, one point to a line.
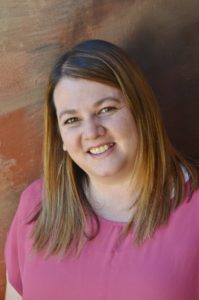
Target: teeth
[100, 149]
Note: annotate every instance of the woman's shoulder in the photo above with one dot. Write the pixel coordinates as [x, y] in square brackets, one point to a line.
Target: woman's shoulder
[192, 198]
[193, 202]
[31, 198]
[34, 189]
[188, 211]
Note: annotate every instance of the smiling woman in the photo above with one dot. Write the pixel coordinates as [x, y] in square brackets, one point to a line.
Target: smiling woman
[97, 129]
[116, 213]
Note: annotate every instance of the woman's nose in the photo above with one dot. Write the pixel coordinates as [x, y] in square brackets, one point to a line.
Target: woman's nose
[92, 129]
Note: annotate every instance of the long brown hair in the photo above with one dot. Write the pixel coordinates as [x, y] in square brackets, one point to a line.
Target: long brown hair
[158, 170]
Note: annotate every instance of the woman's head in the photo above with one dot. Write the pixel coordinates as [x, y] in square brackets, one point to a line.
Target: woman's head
[97, 128]
[103, 62]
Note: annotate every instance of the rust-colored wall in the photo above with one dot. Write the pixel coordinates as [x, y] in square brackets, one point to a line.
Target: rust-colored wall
[161, 35]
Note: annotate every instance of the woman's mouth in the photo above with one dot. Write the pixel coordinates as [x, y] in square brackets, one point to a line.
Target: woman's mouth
[101, 149]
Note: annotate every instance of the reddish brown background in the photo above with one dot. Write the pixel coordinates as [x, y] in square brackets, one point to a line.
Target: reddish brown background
[161, 35]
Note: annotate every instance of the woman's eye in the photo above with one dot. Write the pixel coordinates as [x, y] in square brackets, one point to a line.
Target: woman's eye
[70, 121]
[107, 109]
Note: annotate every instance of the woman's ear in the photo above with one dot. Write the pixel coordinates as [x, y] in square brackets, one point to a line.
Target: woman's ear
[64, 147]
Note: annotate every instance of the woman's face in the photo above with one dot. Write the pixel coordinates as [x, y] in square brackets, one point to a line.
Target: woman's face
[97, 128]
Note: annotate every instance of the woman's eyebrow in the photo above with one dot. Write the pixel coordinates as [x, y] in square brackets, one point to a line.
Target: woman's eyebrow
[101, 101]
[96, 104]
[67, 111]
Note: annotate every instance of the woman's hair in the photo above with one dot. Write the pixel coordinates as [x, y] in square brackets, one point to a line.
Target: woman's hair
[158, 172]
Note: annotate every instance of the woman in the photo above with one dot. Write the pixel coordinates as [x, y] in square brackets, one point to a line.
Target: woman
[116, 216]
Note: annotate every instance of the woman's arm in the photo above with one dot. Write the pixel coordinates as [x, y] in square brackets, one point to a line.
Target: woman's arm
[11, 293]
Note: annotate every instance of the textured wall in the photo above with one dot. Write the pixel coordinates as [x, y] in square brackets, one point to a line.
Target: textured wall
[161, 35]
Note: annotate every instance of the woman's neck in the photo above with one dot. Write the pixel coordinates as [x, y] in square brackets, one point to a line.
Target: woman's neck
[111, 201]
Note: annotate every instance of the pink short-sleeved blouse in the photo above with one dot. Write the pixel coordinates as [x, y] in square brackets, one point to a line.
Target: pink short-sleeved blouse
[165, 267]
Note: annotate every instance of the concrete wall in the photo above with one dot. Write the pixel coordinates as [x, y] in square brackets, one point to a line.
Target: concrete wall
[161, 35]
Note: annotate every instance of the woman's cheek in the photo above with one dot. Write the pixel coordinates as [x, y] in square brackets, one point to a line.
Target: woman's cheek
[70, 138]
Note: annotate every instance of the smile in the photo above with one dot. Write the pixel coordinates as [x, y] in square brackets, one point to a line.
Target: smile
[101, 149]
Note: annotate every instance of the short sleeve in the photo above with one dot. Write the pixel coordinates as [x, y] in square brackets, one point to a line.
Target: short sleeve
[16, 236]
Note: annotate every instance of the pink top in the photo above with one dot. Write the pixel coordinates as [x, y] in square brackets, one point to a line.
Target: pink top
[165, 267]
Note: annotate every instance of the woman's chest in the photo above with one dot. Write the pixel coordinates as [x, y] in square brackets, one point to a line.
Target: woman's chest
[114, 272]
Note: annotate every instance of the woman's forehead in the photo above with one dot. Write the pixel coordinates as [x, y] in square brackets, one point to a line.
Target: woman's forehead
[72, 91]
